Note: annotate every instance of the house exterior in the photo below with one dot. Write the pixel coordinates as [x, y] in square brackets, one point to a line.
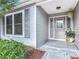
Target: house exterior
[34, 22]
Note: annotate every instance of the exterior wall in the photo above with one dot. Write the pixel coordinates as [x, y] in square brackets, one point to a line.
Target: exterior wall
[76, 23]
[41, 26]
[1, 26]
[29, 21]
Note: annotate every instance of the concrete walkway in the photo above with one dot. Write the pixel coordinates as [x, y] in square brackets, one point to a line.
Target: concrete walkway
[59, 50]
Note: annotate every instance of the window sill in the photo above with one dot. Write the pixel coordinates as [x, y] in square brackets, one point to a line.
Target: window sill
[14, 35]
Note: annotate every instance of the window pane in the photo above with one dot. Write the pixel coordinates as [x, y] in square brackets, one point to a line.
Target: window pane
[9, 29]
[18, 18]
[18, 29]
[60, 23]
[9, 24]
[18, 24]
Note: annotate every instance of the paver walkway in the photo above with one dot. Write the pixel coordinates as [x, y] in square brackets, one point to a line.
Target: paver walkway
[59, 50]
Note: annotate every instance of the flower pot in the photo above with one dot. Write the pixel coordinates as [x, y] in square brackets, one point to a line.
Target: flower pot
[71, 39]
[74, 57]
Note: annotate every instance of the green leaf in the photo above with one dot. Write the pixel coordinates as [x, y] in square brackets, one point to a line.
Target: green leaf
[5, 6]
[10, 49]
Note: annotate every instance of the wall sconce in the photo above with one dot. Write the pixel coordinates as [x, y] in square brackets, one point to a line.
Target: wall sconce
[70, 13]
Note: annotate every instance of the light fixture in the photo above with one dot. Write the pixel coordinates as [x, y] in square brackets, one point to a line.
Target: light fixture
[58, 7]
[70, 13]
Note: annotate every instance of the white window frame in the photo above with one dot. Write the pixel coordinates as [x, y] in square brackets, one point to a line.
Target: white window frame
[15, 35]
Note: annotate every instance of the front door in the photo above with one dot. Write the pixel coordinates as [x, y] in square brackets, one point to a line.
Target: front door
[59, 26]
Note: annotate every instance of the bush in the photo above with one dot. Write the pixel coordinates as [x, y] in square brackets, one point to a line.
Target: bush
[70, 33]
[10, 49]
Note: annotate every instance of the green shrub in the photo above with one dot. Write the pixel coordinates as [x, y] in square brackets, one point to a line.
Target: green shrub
[70, 33]
[10, 49]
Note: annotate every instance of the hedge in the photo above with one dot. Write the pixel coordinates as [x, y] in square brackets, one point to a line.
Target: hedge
[10, 49]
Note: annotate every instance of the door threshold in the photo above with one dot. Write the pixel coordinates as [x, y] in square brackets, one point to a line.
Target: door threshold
[58, 39]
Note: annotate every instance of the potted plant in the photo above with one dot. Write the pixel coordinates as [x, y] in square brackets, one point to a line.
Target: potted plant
[70, 35]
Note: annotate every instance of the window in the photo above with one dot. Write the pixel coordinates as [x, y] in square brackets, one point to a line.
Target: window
[14, 24]
[18, 24]
[9, 24]
[60, 23]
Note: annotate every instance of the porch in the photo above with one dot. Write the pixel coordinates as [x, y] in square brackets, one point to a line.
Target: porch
[58, 45]
[53, 19]
[59, 50]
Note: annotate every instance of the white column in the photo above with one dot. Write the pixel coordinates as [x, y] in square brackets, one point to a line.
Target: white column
[49, 28]
[53, 28]
[65, 23]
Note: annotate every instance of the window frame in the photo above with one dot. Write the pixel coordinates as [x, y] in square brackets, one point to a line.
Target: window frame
[13, 27]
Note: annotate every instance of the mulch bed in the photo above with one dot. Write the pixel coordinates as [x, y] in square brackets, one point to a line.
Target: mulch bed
[33, 53]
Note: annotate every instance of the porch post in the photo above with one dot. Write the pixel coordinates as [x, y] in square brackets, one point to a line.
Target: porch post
[65, 23]
[53, 28]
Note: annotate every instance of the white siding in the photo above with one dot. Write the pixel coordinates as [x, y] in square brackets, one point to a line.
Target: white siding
[76, 23]
[27, 23]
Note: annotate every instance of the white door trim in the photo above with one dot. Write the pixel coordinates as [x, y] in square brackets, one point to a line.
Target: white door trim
[53, 38]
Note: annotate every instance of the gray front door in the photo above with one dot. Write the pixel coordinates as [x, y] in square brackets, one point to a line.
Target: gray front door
[59, 26]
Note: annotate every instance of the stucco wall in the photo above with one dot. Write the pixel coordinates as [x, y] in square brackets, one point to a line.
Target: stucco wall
[29, 22]
[41, 26]
[76, 23]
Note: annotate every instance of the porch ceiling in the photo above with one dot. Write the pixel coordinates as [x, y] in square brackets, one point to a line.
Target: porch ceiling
[64, 5]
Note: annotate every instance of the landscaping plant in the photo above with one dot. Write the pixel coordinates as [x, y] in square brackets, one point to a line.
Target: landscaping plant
[70, 35]
[10, 49]
[6, 6]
